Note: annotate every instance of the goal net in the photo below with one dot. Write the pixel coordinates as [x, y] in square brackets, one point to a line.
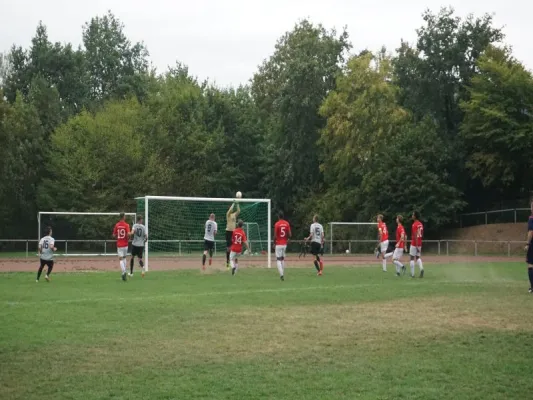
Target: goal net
[82, 233]
[352, 237]
[176, 226]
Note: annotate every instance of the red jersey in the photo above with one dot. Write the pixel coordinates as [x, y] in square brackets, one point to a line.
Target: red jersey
[121, 231]
[238, 238]
[282, 231]
[417, 232]
[400, 230]
[383, 232]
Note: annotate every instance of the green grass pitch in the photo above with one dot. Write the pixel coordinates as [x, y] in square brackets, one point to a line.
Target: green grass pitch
[463, 332]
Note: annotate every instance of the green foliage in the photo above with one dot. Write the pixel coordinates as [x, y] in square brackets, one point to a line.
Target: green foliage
[289, 89]
[498, 123]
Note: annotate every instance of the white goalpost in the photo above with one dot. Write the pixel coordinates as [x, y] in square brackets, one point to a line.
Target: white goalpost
[175, 227]
[351, 236]
[82, 233]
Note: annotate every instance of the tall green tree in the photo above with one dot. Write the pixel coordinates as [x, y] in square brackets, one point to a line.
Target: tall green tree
[289, 88]
[21, 166]
[498, 124]
[116, 67]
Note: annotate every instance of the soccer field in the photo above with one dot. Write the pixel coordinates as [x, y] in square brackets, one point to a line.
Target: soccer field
[463, 332]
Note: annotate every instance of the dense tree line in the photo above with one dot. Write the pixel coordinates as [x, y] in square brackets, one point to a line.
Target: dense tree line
[443, 125]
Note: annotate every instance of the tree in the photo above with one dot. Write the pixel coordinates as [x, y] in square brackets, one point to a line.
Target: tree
[432, 76]
[98, 162]
[116, 68]
[289, 89]
[498, 123]
[21, 166]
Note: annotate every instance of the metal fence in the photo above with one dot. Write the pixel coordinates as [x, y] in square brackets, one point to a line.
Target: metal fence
[510, 215]
[444, 247]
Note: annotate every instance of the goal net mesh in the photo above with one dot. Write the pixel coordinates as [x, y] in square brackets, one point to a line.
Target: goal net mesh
[83, 234]
[352, 237]
[176, 227]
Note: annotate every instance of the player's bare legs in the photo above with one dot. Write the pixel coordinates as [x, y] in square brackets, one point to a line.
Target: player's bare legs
[132, 262]
[204, 257]
[141, 264]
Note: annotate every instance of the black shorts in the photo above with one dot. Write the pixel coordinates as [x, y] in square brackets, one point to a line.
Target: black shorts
[209, 245]
[529, 256]
[137, 251]
[316, 248]
[229, 236]
[48, 263]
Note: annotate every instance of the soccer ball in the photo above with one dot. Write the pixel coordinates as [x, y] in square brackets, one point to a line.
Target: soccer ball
[238, 195]
[347, 251]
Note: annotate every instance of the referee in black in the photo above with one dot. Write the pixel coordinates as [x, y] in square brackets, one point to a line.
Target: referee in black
[529, 249]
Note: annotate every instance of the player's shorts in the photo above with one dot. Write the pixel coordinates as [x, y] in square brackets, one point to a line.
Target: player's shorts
[415, 251]
[529, 255]
[229, 235]
[122, 251]
[137, 251]
[316, 248]
[398, 253]
[384, 246]
[48, 263]
[280, 250]
[208, 245]
[233, 255]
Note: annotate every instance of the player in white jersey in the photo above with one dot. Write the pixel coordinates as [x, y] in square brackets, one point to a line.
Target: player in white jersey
[46, 254]
[139, 237]
[316, 235]
[211, 228]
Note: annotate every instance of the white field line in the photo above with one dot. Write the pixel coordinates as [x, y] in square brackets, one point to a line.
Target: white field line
[134, 298]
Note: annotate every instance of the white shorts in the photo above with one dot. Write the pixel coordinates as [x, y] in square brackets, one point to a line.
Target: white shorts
[280, 250]
[415, 251]
[384, 246]
[233, 255]
[122, 251]
[398, 253]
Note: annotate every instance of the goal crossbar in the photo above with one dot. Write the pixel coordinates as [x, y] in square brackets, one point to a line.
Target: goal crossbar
[215, 199]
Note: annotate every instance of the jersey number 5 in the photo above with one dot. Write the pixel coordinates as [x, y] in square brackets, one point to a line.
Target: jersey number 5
[282, 232]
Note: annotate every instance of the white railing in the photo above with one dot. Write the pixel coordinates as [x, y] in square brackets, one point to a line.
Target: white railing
[498, 216]
[444, 247]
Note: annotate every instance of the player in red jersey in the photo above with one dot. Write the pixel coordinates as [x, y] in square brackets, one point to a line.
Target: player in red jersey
[417, 233]
[401, 240]
[383, 234]
[282, 234]
[238, 238]
[121, 232]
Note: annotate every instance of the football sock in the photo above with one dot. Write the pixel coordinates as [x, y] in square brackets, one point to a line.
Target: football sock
[398, 265]
[384, 264]
[203, 259]
[317, 265]
[49, 270]
[412, 265]
[530, 273]
[131, 266]
[280, 267]
[227, 256]
[40, 272]
[420, 265]
[123, 266]
[141, 263]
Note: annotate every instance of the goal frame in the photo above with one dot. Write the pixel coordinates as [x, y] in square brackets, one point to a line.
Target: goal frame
[338, 223]
[210, 199]
[39, 232]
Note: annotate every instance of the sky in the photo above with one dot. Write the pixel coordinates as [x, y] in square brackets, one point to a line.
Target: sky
[226, 41]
